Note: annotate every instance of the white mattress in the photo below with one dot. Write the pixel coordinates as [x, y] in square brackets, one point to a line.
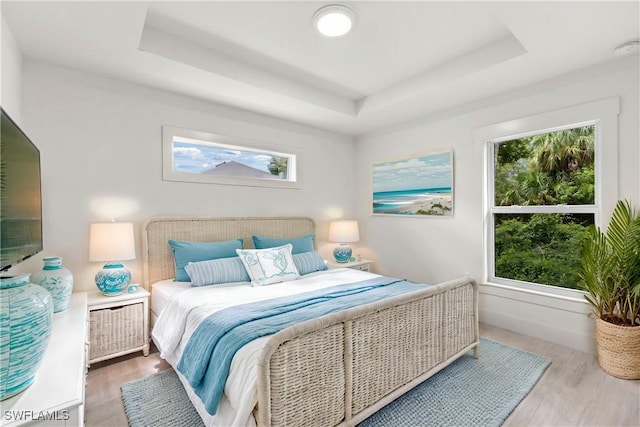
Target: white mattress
[187, 308]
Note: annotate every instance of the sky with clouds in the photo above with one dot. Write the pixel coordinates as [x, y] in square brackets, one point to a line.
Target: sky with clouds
[417, 173]
[196, 158]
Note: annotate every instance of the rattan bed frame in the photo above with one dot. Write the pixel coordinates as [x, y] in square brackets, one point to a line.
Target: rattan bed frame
[341, 368]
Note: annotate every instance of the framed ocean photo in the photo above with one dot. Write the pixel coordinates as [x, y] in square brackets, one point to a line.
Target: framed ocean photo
[415, 186]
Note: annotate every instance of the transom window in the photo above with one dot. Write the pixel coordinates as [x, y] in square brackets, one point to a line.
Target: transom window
[201, 157]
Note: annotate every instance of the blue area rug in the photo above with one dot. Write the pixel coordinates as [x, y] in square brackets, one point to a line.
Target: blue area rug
[159, 400]
[469, 392]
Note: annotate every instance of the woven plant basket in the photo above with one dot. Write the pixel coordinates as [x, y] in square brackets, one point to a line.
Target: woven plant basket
[618, 349]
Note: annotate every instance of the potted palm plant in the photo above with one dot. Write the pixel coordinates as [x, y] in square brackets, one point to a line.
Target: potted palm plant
[611, 276]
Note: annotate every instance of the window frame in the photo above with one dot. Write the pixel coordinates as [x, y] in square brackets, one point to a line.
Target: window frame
[169, 134]
[603, 115]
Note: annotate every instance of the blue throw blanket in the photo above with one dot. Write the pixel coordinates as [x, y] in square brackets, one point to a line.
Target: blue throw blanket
[207, 356]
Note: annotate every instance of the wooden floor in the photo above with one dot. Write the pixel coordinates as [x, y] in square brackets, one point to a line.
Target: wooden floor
[574, 391]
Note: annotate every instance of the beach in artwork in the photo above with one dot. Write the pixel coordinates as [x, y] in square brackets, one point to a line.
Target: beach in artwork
[421, 185]
[432, 201]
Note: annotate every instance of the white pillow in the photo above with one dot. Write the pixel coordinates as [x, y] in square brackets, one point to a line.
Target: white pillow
[267, 266]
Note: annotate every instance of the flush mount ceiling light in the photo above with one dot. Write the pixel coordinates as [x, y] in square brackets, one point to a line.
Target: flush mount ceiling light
[334, 20]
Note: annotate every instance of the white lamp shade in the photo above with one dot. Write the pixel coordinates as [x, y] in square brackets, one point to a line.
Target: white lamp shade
[344, 231]
[111, 241]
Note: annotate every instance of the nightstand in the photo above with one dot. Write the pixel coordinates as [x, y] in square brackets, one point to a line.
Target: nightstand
[362, 265]
[118, 325]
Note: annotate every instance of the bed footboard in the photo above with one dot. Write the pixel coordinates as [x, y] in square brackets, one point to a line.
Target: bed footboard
[341, 368]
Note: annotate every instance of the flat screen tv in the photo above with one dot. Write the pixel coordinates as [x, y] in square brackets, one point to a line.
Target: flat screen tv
[20, 195]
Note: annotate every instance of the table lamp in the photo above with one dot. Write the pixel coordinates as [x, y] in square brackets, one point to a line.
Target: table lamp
[343, 231]
[112, 242]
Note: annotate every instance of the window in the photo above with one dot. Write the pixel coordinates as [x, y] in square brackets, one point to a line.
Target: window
[207, 158]
[543, 201]
[544, 186]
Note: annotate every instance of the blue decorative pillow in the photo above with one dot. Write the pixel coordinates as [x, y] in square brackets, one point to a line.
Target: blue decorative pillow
[185, 252]
[217, 271]
[267, 266]
[309, 262]
[299, 244]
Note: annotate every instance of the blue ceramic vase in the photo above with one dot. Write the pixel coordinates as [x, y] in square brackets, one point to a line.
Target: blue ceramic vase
[57, 280]
[342, 253]
[113, 279]
[26, 319]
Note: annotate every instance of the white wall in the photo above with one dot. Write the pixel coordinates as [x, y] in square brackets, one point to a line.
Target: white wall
[11, 74]
[101, 148]
[101, 158]
[436, 249]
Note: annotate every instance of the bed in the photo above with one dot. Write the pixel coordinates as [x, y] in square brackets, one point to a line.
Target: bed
[337, 369]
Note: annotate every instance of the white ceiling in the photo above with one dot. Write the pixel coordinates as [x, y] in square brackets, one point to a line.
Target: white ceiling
[402, 60]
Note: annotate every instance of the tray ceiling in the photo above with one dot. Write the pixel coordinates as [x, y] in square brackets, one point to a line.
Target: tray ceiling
[403, 60]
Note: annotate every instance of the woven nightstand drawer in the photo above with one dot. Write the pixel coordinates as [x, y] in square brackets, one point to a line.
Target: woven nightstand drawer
[116, 329]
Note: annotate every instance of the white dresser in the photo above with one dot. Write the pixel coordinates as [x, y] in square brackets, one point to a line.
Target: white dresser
[56, 398]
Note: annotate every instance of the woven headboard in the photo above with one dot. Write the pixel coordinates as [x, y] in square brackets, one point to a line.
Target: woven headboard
[157, 257]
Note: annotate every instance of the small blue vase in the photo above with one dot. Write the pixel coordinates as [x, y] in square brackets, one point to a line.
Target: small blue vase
[26, 319]
[57, 280]
[113, 279]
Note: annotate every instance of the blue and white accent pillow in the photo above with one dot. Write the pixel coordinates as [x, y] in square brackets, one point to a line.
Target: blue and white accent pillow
[267, 266]
[309, 262]
[217, 271]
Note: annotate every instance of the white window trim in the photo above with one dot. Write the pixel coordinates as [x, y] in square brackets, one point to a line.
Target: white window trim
[169, 174]
[604, 114]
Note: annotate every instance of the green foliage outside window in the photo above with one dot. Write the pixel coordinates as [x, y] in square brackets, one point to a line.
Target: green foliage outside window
[550, 169]
[541, 248]
[279, 166]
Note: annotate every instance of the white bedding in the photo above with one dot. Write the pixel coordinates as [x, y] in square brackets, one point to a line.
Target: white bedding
[162, 292]
[186, 309]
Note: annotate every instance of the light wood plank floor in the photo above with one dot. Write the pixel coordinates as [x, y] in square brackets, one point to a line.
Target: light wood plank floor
[574, 391]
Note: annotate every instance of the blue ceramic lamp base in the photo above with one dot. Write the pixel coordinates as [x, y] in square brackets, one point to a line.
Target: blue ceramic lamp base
[342, 253]
[113, 279]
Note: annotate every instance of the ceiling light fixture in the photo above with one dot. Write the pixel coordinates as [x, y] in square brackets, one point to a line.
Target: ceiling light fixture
[334, 20]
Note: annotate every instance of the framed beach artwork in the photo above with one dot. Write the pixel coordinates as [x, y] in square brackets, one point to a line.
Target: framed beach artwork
[415, 186]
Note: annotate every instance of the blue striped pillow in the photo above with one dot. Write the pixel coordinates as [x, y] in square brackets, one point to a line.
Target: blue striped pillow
[217, 271]
[309, 262]
[185, 252]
